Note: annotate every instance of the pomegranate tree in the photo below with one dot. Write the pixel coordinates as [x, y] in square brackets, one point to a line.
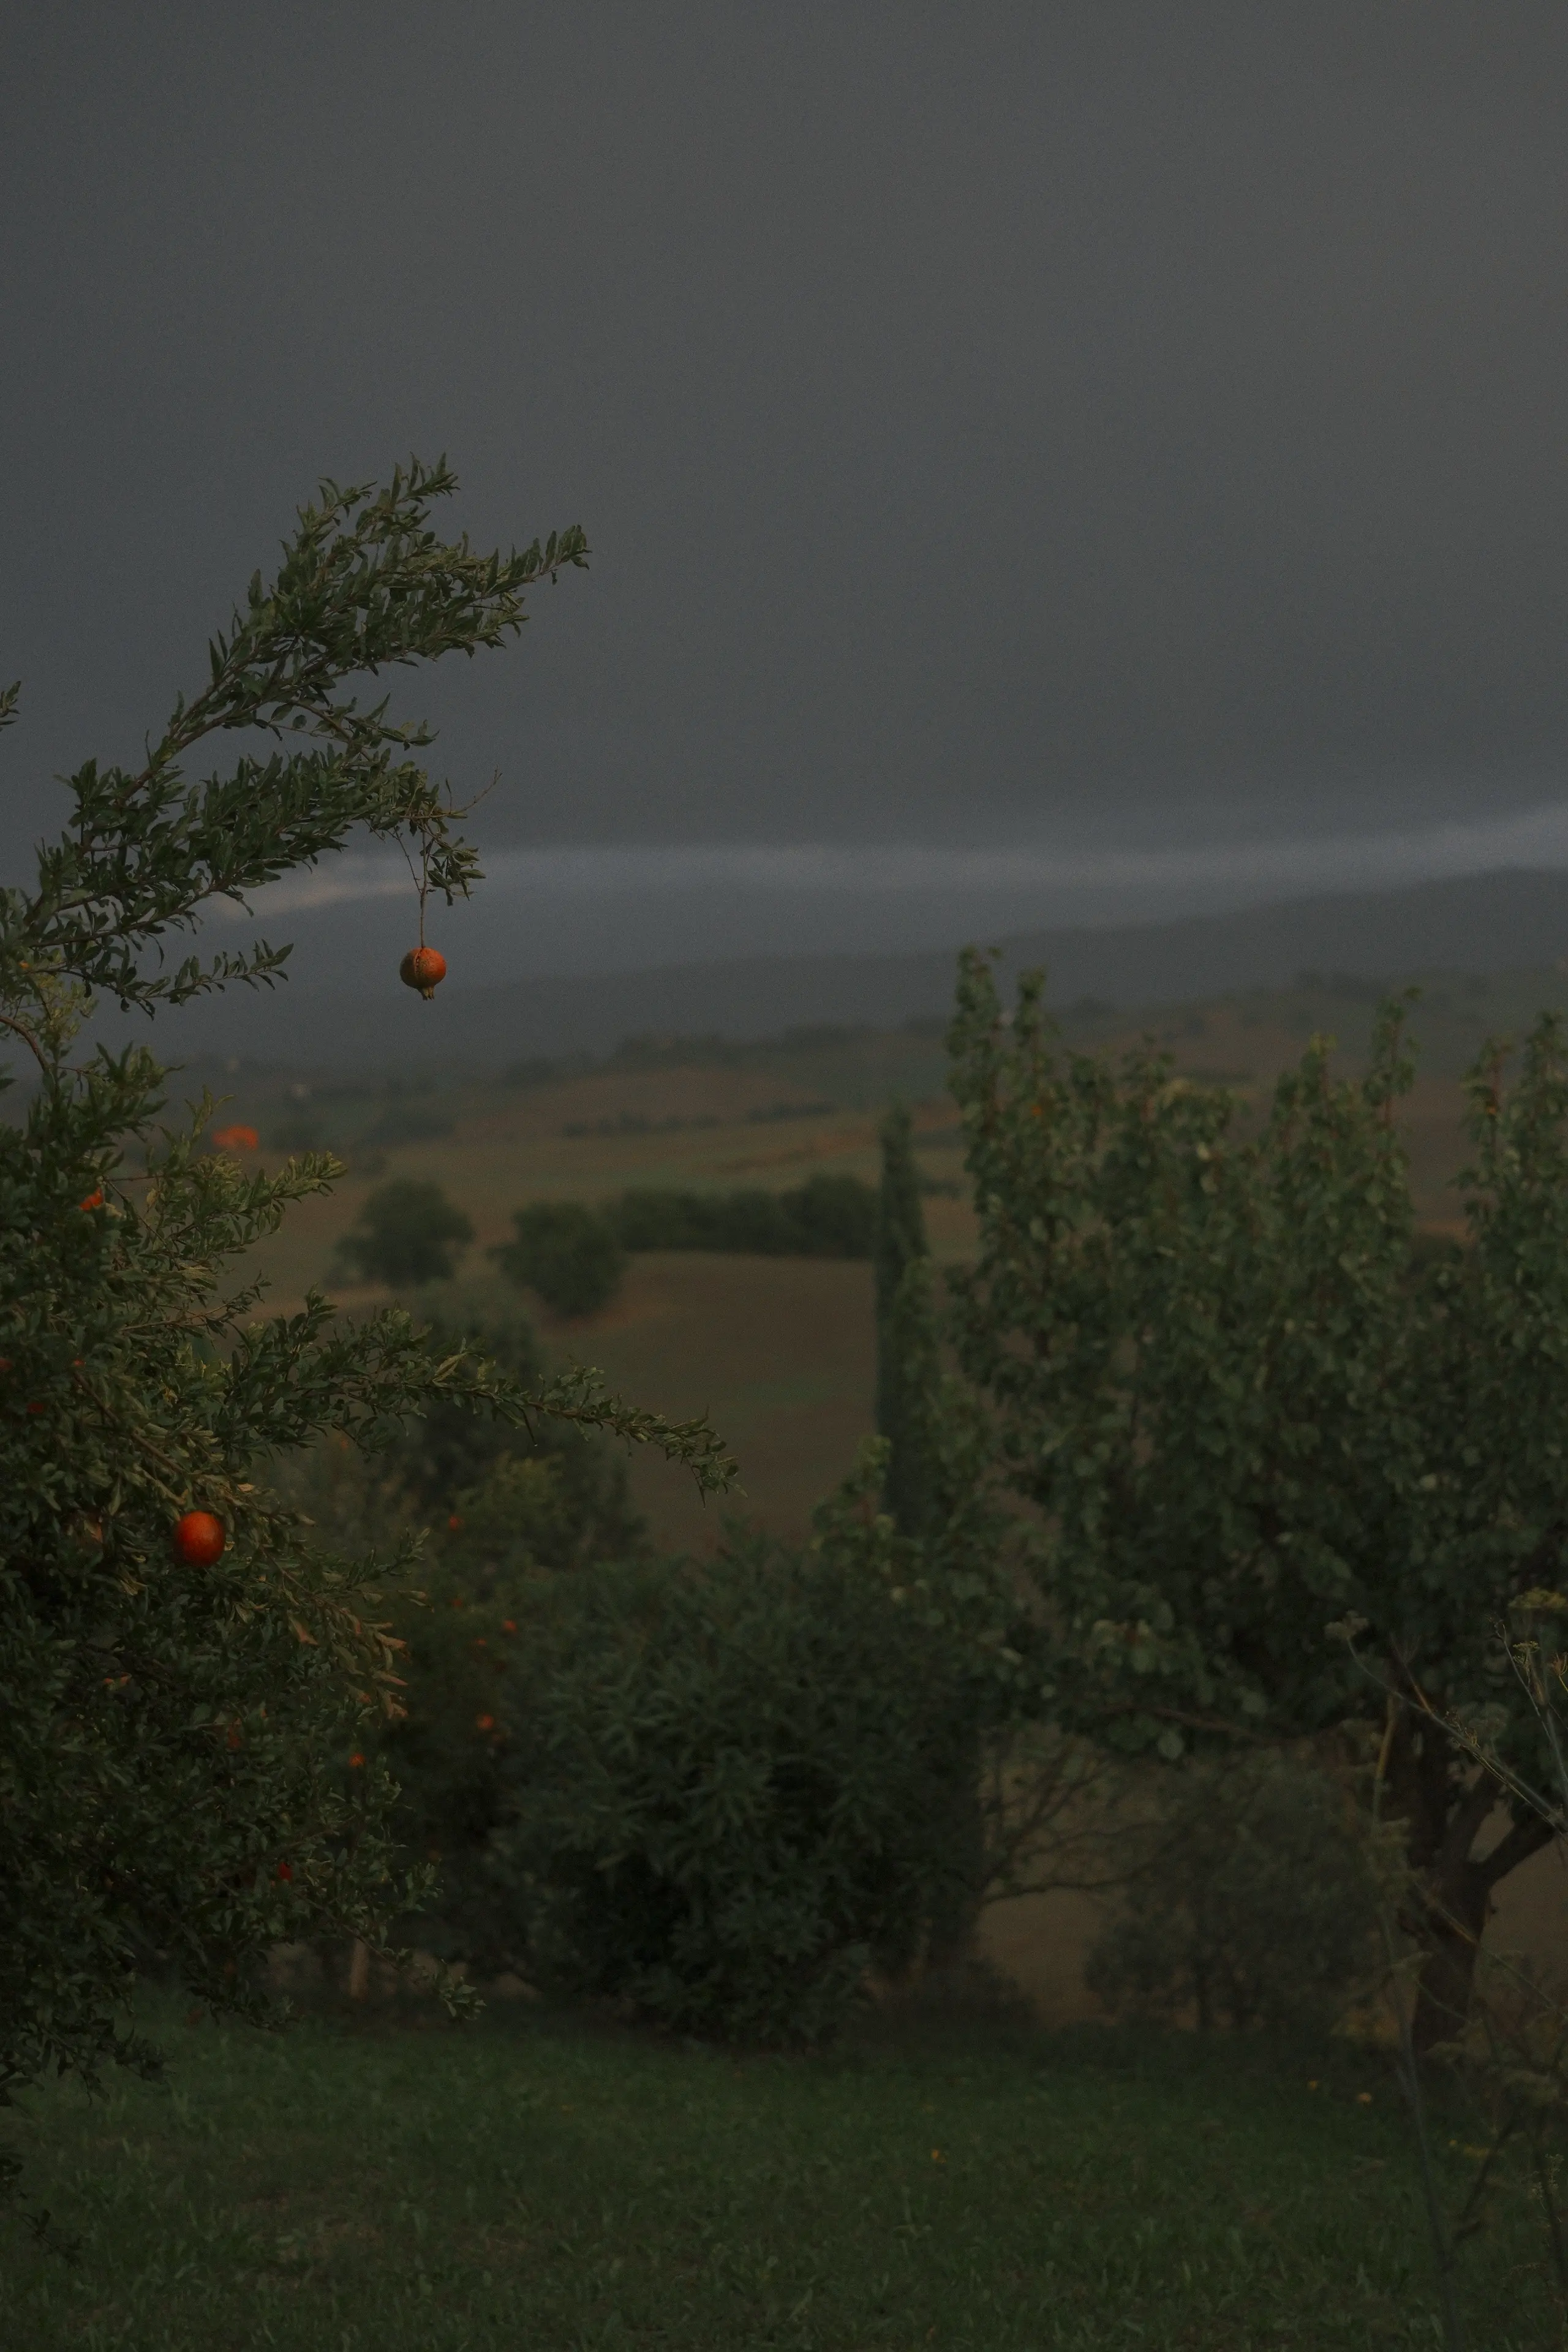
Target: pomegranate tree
[178, 1666]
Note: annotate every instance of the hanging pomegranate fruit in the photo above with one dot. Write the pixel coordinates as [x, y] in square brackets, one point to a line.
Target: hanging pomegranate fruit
[199, 1539]
[424, 968]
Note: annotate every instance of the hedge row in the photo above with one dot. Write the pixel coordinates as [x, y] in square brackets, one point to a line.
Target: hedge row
[828, 1216]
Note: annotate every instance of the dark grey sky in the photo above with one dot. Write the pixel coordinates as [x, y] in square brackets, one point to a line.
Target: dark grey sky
[1099, 425]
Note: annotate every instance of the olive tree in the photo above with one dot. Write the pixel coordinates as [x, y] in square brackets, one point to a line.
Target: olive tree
[178, 1694]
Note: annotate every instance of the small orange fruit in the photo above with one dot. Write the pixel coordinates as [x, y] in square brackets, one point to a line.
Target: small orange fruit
[424, 968]
[93, 1201]
[199, 1539]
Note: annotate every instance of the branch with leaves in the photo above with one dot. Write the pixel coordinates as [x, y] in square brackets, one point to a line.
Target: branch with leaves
[365, 585]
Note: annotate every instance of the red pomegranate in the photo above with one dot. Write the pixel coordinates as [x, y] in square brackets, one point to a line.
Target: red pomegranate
[199, 1539]
[424, 968]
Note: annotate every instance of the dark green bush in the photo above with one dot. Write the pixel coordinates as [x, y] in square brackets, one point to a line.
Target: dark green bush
[408, 1233]
[487, 1566]
[727, 1783]
[718, 1794]
[565, 1253]
[828, 1216]
[1254, 1907]
[502, 1508]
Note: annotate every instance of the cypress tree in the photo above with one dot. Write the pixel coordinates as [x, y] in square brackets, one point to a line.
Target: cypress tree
[904, 1367]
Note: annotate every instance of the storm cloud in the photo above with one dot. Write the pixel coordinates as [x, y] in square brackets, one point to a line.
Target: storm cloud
[1087, 430]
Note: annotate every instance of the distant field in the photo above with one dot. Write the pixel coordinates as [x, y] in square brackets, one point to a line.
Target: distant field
[780, 1352]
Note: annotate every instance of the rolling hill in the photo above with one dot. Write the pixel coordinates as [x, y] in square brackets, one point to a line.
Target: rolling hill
[1482, 924]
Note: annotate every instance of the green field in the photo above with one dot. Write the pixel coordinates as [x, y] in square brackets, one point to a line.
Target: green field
[534, 2182]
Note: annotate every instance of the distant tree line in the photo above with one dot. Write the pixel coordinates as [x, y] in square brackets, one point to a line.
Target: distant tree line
[828, 1216]
[573, 1256]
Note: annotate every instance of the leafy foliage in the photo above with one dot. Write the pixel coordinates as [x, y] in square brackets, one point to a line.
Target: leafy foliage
[1244, 1403]
[506, 1641]
[828, 1216]
[408, 1234]
[506, 1540]
[728, 1788]
[713, 1792]
[170, 1737]
[565, 1253]
[499, 1507]
[365, 584]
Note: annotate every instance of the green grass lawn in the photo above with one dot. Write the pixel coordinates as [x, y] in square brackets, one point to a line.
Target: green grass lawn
[540, 2185]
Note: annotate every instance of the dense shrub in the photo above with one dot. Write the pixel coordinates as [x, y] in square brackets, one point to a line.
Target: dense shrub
[728, 1783]
[408, 1233]
[565, 1253]
[486, 1568]
[499, 1507]
[717, 1793]
[1255, 1908]
[828, 1216]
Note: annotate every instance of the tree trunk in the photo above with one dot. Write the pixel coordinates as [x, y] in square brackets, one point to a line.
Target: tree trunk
[1452, 1898]
[1450, 1928]
[1456, 1905]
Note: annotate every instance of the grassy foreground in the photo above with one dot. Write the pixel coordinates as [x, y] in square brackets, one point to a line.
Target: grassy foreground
[540, 2186]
